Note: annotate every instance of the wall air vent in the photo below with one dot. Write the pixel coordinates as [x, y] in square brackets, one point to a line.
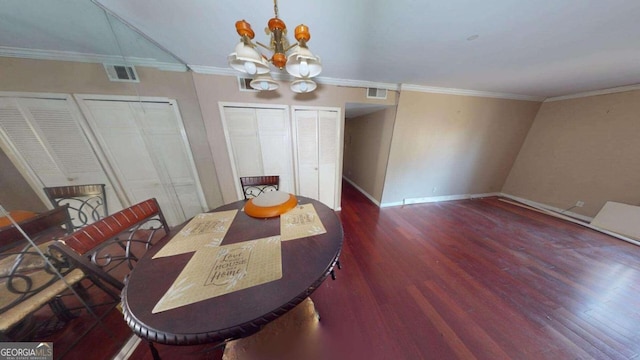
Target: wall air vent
[245, 84]
[374, 93]
[121, 73]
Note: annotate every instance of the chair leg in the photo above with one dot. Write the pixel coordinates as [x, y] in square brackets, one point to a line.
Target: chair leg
[154, 351]
[60, 310]
[333, 274]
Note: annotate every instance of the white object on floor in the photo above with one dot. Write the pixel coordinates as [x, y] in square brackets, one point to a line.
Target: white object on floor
[620, 218]
[128, 348]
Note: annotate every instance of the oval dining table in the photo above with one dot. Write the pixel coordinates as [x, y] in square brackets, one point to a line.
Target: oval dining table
[306, 263]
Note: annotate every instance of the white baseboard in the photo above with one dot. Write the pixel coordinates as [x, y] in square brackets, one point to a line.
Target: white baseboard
[548, 207]
[475, 196]
[362, 191]
[431, 199]
[576, 219]
[128, 348]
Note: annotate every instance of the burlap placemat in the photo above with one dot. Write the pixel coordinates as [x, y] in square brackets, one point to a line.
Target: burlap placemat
[299, 222]
[204, 230]
[221, 270]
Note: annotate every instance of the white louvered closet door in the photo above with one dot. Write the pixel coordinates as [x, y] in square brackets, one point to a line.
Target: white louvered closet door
[144, 144]
[317, 153]
[45, 141]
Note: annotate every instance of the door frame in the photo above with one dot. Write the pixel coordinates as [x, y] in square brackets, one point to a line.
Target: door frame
[234, 172]
[339, 153]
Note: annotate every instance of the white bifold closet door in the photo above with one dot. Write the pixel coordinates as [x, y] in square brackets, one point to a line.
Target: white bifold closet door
[44, 140]
[317, 134]
[148, 152]
[259, 143]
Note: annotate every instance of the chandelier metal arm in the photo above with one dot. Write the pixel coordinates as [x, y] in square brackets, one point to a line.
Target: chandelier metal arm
[263, 45]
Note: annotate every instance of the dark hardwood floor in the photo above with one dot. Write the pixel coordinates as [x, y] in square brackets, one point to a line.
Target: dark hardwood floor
[471, 279]
[84, 337]
[479, 279]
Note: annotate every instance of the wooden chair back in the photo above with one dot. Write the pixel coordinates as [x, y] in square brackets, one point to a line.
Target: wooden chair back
[253, 186]
[87, 203]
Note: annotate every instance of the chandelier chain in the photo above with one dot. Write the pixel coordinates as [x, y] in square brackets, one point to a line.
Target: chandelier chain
[275, 7]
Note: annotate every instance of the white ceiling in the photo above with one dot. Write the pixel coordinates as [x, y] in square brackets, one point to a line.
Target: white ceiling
[538, 48]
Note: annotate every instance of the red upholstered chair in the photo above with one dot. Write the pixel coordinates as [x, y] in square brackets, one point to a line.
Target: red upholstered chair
[102, 249]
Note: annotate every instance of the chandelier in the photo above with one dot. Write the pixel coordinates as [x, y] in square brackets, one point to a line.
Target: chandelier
[299, 63]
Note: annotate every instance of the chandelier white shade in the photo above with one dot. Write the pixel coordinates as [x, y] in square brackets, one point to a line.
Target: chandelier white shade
[303, 86]
[302, 63]
[297, 59]
[264, 82]
[248, 60]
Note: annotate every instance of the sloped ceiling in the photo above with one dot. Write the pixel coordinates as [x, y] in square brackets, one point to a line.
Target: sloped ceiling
[538, 48]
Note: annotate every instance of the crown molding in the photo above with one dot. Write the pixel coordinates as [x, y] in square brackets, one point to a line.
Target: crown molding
[595, 93]
[57, 55]
[371, 84]
[464, 92]
[358, 83]
[7, 51]
[212, 70]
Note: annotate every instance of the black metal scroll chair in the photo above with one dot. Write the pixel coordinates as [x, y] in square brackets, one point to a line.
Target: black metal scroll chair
[87, 203]
[253, 186]
[107, 250]
[27, 280]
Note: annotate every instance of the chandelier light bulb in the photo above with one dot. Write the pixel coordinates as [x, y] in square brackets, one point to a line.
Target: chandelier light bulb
[303, 87]
[263, 82]
[250, 67]
[304, 68]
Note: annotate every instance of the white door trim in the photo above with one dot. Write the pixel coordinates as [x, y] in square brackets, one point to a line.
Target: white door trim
[35, 95]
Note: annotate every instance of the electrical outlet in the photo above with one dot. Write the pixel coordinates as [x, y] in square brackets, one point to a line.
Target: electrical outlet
[579, 203]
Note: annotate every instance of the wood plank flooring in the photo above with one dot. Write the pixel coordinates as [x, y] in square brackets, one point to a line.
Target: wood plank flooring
[479, 279]
[471, 279]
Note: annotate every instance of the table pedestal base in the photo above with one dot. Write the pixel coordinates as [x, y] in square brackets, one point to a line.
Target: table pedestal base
[294, 335]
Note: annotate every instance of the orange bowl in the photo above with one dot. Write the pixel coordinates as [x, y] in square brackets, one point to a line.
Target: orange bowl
[256, 207]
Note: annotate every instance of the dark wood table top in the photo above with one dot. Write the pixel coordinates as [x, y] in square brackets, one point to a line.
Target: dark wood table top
[306, 262]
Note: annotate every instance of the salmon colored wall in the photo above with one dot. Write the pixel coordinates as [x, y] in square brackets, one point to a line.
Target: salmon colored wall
[453, 145]
[585, 149]
[366, 150]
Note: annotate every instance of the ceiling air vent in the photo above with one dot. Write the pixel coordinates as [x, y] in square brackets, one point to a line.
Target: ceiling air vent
[121, 73]
[374, 93]
[245, 84]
